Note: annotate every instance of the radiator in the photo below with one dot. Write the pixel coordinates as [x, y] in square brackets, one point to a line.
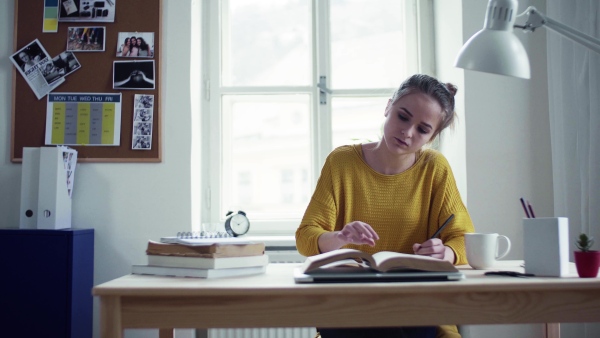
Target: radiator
[280, 250]
[296, 332]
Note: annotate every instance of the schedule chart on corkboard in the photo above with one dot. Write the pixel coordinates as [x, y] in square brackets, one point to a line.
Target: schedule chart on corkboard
[93, 79]
[83, 119]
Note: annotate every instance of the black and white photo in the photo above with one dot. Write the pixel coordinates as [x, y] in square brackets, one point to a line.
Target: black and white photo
[133, 75]
[142, 128]
[50, 72]
[144, 101]
[66, 63]
[36, 67]
[143, 112]
[27, 57]
[142, 142]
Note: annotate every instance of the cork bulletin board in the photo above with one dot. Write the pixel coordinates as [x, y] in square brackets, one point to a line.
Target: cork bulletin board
[94, 76]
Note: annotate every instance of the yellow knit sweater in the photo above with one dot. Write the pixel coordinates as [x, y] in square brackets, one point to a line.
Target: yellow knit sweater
[403, 209]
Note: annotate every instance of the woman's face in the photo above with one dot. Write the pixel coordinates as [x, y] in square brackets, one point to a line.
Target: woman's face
[127, 41]
[24, 57]
[133, 42]
[139, 42]
[411, 123]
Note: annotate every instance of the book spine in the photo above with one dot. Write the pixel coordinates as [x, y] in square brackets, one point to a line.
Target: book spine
[198, 273]
[207, 263]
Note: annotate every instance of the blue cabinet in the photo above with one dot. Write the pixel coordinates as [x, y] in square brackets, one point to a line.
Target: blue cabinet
[46, 280]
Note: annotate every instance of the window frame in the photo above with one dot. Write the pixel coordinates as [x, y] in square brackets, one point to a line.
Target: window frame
[321, 125]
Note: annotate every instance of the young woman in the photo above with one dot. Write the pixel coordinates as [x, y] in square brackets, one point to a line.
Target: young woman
[144, 49]
[392, 195]
[27, 60]
[125, 47]
[134, 47]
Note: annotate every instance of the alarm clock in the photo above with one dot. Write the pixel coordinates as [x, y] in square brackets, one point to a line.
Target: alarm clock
[237, 223]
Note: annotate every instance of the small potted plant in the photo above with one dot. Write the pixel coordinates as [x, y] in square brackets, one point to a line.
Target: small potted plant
[587, 261]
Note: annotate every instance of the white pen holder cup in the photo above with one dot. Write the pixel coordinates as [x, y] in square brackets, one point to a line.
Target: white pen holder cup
[546, 246]
[483, 249]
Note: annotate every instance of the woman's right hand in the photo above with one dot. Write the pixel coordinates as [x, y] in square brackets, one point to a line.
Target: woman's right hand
[357, 232]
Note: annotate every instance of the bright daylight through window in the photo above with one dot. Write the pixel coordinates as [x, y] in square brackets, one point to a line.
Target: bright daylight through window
[270, 126]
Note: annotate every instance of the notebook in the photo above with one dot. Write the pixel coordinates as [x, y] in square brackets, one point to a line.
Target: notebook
[353, 275]
[205, 238]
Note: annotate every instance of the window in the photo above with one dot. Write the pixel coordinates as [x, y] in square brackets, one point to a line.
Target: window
[286, 81]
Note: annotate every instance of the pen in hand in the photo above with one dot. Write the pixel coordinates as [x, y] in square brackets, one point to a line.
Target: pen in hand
[417, 246]
[442, 227]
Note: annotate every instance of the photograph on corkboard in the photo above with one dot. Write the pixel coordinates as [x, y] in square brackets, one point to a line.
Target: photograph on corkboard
[86, 39]
[133, 75]
[135, 44]
[87, 10]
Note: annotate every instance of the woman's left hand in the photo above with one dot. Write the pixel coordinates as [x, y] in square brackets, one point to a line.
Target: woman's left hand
[434, 248]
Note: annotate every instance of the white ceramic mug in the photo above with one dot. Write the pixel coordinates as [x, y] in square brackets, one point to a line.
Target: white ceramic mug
[482, 249]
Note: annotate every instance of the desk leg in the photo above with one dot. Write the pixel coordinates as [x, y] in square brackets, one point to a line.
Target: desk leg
[552, 330]
[166, 333]
[110, 317]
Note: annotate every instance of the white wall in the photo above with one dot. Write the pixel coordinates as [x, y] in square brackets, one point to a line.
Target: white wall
[503, 125]
[506, 131]
[10, 174]
[508, 137]
[507, 148]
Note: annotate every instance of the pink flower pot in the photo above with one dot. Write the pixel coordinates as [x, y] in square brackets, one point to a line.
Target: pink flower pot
[587, 263]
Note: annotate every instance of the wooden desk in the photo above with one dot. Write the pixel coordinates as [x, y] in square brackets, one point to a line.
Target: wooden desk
[274, 300]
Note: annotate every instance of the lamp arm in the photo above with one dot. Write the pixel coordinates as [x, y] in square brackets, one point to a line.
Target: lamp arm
[538, 19]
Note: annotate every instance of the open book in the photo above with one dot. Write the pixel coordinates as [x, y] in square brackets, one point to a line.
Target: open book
[384, 261]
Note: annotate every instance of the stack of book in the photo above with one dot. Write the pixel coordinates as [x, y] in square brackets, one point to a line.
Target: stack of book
[208, 260]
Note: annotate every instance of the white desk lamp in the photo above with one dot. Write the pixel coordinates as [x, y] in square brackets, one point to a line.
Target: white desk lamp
[495, 49]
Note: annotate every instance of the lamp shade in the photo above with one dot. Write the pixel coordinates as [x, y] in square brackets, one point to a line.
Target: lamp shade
[495, 49]
[497, 52]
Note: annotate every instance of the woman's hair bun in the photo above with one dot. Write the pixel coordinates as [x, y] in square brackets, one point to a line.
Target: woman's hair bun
[451, 88]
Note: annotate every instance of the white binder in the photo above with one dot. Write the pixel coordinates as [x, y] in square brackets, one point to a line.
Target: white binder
[46, 187]
[30, 178]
